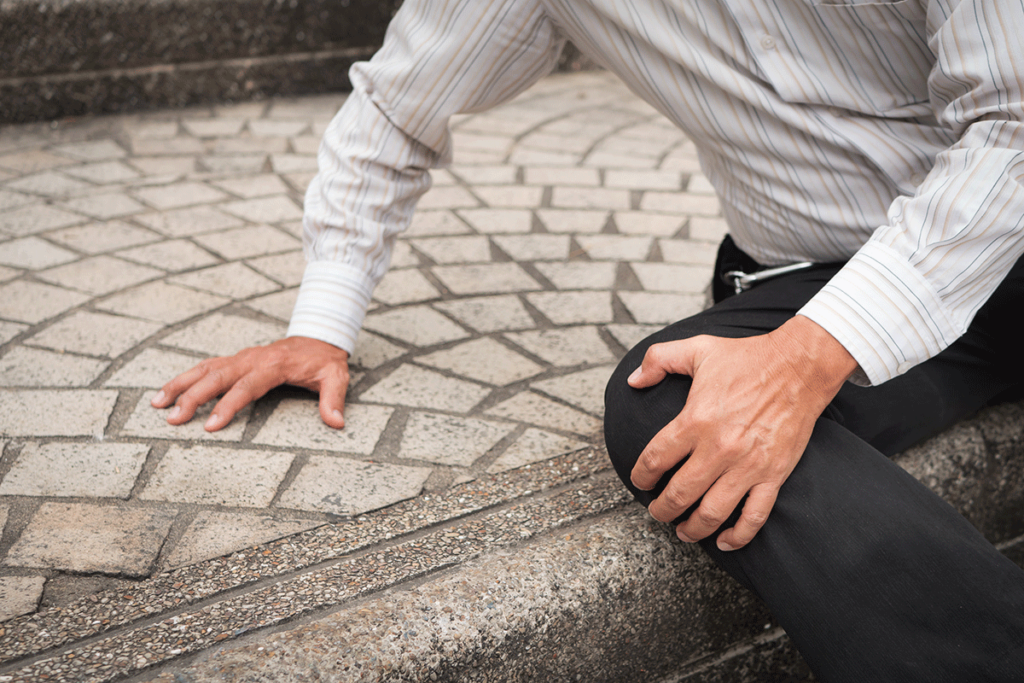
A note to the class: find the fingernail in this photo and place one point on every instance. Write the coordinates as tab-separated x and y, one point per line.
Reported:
725	547
212	421
337	415
159	398
683	537
175	412
636	375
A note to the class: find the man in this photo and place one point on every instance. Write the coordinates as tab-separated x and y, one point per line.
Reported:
877	148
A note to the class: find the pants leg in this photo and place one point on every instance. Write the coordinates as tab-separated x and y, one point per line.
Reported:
873	576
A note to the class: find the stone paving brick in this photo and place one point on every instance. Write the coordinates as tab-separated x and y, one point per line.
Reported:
584	389
9	331
296	423
151	368
96	150
273	129
272	209
162	302
402	255
99	275
249	146
589	198
217	476
616	247
482	175
230	279
416	325
249	242
175	146
699	184
484	360
225	335
172	255
533	446
28	367
644	180
33	253
453	197
629	335
489	313
31	413
152	130
168	165
605	159
404	287
49	184
585	221
213	534
306	144
564	347
104	206
482	142
278	305
9	200
293	163
87	470
151	423
708	229
19	595
447	250
426	223
536	409
372	351
213	128
348	487
94	334
285	268
577	144
448	440
104	173
510	196
573	308
536	157
31	302
534	246
485	279
566	177
493	221
672	277
178	195
421	388
688	251
579	274
661	308
253	186
33	160
305	108
299	181
680	203
86	538
34	218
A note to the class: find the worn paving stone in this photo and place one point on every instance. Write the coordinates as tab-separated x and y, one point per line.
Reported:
9	331
573	308
510	196
616	247
422	388
498	221
536	409
171	255
271	128
173	146
151	423
213	128
688	251
416	325
194	220
645	223
492	278
277	305
82	537
425	223
209	475
349	487
104	206
213	534
248	242
484	360
296	423
590	198
404	287
672	277
19	595
534	446
51	185
225	335
534	247
284	268
583	389
449	440
151	368
566	177
489	313
447	250
10	200
631	335
104	173
708	229
372	351
230	279
33	253
30	412
172	166
579	274
98	275
253	186
564	347
643	180
680	203
88	470
96	150
96	238
35	218
31	161
27	367
661	308
292	163
480	175
265	209
238	163
579	221
161	302
32	302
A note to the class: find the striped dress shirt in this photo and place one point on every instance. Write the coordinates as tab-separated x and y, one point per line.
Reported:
885	134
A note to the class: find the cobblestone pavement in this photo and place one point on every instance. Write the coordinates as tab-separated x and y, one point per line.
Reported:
574	221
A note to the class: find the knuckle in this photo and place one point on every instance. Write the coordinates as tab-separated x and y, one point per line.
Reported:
676	498
709	517
756	518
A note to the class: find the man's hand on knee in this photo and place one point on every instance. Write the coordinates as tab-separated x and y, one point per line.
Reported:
748	417
249	374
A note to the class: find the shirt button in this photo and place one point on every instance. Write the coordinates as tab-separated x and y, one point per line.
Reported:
917	179
768	43
903	367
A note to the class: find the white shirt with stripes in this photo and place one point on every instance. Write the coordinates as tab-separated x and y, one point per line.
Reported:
889	134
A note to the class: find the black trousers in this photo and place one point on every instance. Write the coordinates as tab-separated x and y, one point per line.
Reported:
873	576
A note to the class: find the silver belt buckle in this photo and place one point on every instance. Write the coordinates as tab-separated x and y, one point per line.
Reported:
741	281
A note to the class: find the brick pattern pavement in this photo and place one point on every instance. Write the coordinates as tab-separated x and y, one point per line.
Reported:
573	222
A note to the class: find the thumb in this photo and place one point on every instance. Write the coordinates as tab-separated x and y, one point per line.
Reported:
332	399
677	357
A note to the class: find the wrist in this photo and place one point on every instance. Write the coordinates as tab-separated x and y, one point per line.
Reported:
824	363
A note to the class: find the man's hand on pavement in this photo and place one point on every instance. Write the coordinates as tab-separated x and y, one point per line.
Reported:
748	417
249	374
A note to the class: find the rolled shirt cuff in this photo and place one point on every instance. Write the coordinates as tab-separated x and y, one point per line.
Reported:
331	305
884	313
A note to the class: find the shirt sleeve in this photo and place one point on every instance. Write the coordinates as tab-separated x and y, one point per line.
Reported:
439	58
917	284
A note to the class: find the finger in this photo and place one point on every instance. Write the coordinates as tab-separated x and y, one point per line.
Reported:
755	513
332	398
219	378
678	357
170	391
663	452
244	391
715	508
685	488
